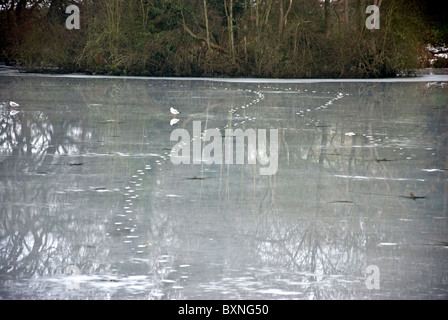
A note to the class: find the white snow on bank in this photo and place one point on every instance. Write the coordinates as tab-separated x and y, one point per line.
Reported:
436	50
423	78
442	55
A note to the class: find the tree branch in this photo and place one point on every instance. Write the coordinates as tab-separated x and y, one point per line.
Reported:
195	36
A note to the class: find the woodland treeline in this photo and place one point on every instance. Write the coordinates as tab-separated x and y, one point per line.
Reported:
257	38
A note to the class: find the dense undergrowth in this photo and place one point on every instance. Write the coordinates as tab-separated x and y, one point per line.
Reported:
257	38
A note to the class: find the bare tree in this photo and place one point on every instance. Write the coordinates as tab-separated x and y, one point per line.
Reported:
283	17
229	14
207	31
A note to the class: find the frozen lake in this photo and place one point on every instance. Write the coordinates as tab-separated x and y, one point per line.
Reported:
92	207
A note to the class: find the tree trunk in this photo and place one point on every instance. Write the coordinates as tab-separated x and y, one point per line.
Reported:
346	13
229	15
326	11
283	17
280	20
207	31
